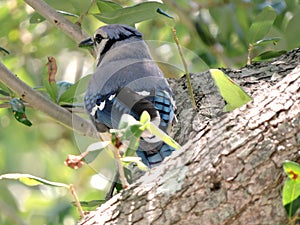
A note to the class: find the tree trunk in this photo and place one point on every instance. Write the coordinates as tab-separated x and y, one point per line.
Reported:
229	170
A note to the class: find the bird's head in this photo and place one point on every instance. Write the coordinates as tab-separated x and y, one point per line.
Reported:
106	36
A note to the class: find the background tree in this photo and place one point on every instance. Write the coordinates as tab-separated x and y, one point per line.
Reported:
217	32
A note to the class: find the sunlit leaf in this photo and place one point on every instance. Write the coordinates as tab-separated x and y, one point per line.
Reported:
31	180
136	160
107	6
131	15
232	93
162	135
262	24
170	71
291	196
18	109
291	188
145	118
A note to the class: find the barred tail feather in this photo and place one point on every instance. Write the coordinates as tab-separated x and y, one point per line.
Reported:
154	159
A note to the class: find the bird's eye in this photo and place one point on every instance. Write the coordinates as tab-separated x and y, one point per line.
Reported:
98	38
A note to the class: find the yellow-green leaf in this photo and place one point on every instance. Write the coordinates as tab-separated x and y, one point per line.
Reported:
262	24
163	136
232	93
137	160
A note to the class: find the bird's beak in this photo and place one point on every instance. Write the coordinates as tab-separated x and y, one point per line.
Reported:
87	43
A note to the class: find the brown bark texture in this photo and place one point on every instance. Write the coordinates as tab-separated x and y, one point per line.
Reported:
229	170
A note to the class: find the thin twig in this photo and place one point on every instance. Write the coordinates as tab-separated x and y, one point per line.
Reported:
77	202
116	145
189	84
249	56
120	168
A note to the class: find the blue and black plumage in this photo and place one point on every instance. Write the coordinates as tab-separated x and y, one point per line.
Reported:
127	80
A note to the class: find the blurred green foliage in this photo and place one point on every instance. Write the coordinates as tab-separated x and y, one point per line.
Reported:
217	32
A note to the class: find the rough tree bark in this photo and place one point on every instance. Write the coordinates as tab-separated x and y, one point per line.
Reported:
229	170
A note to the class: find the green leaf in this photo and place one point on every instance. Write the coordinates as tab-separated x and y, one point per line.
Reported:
136	160
4	93
170	71
292	207
88	204
130	130
268	55
31	180
274	40
261	24
291	196
36	18
291	188
162	12
292	169
95	149
131	15
107	6
232	93
4	51
67	13
162	135
127	121
292	32
75	90
98	146
5	90
18	109
145	118
51	88
62	87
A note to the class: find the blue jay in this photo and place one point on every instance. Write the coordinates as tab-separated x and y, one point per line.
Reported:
128	81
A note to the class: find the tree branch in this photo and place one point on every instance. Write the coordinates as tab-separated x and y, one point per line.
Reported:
230	169
72	30
39	102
